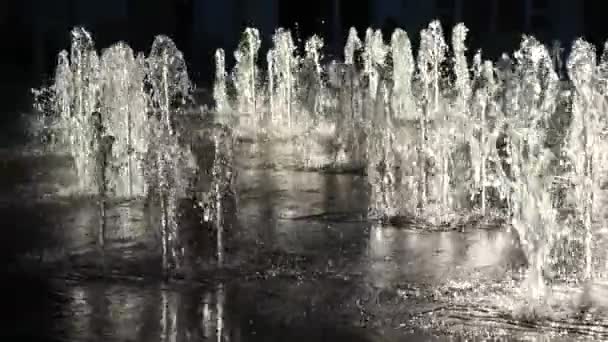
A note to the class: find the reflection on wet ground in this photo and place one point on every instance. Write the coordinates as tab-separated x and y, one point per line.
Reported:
302	263
276	310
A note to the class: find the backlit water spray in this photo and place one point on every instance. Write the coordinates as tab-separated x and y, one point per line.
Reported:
445	141
117	116
442	142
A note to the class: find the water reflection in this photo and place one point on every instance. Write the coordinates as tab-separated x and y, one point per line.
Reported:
224	312
491	248
398	256
28	177
220	313
297	211
301	216
75	223
119	313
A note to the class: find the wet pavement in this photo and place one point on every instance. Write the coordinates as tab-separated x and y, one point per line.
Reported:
301	263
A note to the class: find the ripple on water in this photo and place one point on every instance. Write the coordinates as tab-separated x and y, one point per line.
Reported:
503	308
302	227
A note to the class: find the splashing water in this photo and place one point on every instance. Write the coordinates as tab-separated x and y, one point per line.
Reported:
508	140
220	95
117	117
172	166
76	91
440	140
124	103
281	76
245	76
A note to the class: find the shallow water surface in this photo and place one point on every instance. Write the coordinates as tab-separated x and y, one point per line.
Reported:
301	263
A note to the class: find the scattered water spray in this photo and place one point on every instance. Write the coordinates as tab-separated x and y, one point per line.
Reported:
116	115
583	146
219	88
427	142
245	73
172	165
123	104
404	106
282	78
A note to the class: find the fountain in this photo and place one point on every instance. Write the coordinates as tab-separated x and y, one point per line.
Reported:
584	145
443	143
442	146
170	166
124	103
116	115
245	76
219	89
281	80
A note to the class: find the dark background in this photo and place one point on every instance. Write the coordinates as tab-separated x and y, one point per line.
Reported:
34	31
